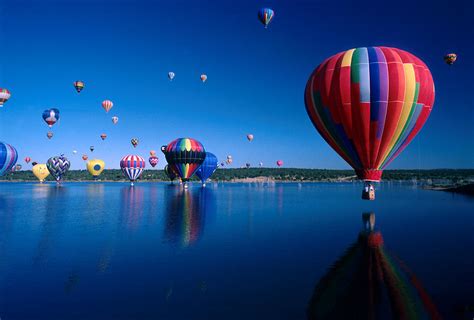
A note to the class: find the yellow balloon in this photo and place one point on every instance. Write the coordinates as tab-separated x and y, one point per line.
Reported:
95	167
40	171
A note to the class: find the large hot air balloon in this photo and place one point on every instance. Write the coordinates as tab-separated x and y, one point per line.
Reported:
27	159
107	105
368	104
450	58
51	116
265	15
115	119
92	148
170	173
207	168
49	134
153	160
279	163
40	171
58	166
184	156
203	77
134	142
171	75
95	167
79	85
4	96
250	137
103	136
132	166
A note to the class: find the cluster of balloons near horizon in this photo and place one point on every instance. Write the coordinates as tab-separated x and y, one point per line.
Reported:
369	104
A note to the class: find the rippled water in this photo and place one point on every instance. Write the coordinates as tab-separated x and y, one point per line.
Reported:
228	251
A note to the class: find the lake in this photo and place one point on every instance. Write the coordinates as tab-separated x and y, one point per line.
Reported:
227	251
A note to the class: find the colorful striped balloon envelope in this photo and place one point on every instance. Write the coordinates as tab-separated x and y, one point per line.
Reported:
184	156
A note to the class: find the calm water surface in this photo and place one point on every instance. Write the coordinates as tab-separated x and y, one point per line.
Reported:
228	251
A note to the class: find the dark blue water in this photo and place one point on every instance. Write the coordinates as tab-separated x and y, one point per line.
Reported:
229	251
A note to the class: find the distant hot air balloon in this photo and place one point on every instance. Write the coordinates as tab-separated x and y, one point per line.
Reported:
132	166
203	77
92	148
265	15
95	167
115	119
247	165
103	136
171	75
58	166
450	58
250	137
79	85
229	160
184	156
134	142
49	135
169	173
153	160
107	105
222	164
279	163
152	153
51	116
368	104
18	167
207	168
4	96
260	164
74	151
229	157
40	171
85	157
34	163
27	159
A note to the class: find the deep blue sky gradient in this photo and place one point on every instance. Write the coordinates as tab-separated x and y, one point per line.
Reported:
123	51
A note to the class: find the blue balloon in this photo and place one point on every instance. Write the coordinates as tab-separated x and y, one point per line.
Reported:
51	116
207	168
8	157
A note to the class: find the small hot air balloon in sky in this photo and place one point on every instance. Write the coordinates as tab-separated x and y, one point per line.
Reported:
4	96
260	164
153	160
279	163
247	165
368	104
203	77
92	148
51	116
229	161
265	15
79	85
74	151
40	171
207	168
171	75
250	137
85	157
229	157
170	173
95	167
134	142
18	167
107	105
132	166
115	119
27	159
222	164
103	136
450	58
58	166
49	134
34	163
152	153
185	156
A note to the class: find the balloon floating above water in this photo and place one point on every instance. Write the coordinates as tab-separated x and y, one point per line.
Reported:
51	116
265	15
40	171
153	160
171	76
95	167
107	105
207	168
4	96
134	142
79	85
368	104
115	119
170	173
58	166
450	58
184	156
49	135
132	166
203	77
8	157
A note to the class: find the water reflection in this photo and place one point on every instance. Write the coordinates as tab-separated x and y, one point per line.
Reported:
131	206
186	212
368	282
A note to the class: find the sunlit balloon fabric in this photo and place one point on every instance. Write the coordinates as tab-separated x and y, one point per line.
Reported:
184	156
107	105
79	85
265	15
368	104
132	166
450	58
208	167
4	96
95	167
40	171
51	116
8	157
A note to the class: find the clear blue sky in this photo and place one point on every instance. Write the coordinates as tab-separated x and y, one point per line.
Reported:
123	51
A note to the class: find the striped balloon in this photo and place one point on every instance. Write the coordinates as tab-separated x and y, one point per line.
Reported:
4	96
184	156
153	160
8	158
132	166
265	15
107	105
58	166
368	104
